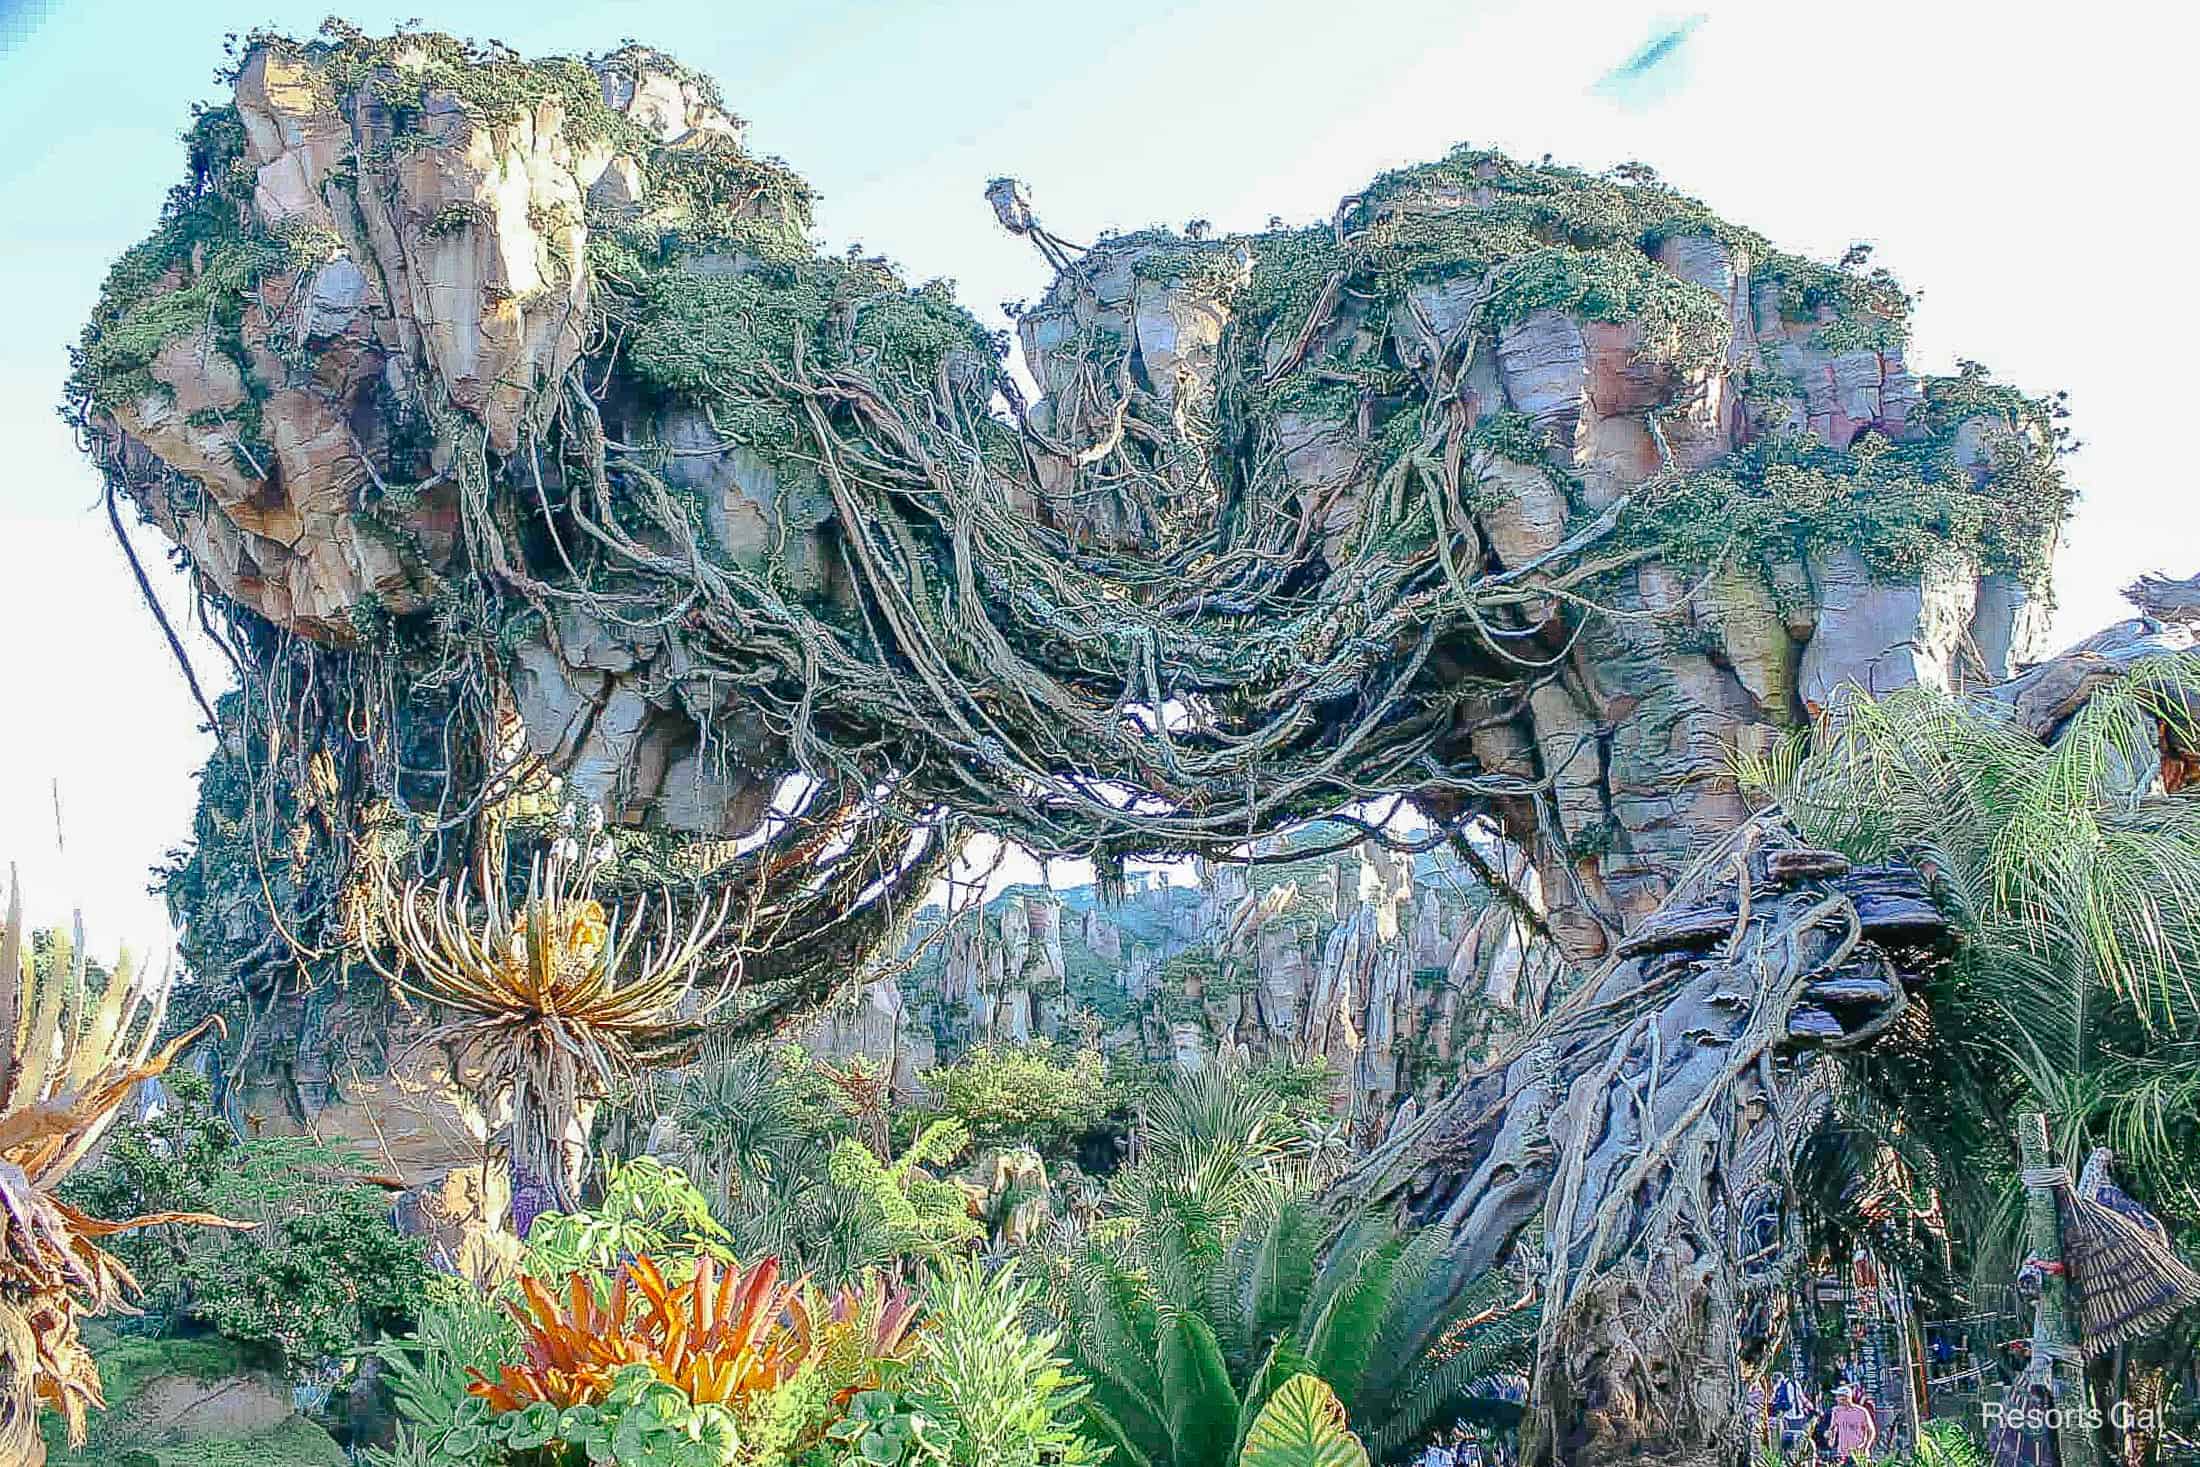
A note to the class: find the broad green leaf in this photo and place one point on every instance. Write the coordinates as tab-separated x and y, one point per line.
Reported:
1302	1426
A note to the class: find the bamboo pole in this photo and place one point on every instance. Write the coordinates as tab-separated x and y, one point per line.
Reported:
2055	1317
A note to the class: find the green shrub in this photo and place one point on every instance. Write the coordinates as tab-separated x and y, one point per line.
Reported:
914	1213
458	1330
996	1393
320	1270
648	1208
1034	1095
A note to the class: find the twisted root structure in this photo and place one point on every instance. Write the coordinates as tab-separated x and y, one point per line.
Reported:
524	453
1648	1121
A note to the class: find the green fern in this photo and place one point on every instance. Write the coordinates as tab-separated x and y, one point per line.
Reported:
1948	1444
1273	1263
1344	1335
923	1216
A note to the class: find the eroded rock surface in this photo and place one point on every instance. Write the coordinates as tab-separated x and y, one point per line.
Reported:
1394	972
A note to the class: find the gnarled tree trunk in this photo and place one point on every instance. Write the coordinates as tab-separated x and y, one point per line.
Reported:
1642	1120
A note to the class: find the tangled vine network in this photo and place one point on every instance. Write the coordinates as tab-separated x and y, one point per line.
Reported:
465	382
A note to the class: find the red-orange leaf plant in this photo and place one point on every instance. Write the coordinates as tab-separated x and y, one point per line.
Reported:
723	1337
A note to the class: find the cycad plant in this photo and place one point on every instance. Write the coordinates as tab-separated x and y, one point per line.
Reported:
69	1058
1215	1278
2073	868
554	1007
1302	1425
1186	1342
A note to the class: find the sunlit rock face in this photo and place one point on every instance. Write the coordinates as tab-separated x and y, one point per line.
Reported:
1632	730
1394	973
436	293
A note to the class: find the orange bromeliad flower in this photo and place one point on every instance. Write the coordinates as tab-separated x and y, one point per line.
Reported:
570	1352
725	1335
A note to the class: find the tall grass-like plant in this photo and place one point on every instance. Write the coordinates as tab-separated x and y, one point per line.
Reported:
994	1393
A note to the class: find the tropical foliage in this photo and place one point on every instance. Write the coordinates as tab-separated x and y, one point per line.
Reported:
1214	1278
2075	875
993	1390
554	1006
1036	1095
1205	1299
1186	1336
1302	1426
793	1165
69	1057
723	1337
918	1216
318	1271
648	1209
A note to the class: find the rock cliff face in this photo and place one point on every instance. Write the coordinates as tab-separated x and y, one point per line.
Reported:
340	377
418	260
1395	972
1734	373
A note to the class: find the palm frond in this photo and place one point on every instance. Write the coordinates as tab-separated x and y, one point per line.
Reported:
2073	872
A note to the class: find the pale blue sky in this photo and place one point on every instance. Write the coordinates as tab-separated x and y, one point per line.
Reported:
2025	169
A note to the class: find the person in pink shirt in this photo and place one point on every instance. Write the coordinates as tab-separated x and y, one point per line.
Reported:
1854	1430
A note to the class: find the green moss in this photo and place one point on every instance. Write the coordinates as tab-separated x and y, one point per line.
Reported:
1679	321
1289	268
724	339
1511	435
1621	219
452	218
192	272
1973	393
706	193
293	1443
718	197
1899	506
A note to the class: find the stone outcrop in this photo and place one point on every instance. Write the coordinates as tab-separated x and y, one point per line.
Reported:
186	1402
1395	972
1634	734
437	292
437	268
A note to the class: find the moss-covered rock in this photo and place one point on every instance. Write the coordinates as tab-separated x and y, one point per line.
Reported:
191	1403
